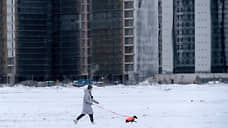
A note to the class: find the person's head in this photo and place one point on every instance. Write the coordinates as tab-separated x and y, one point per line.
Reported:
90	87
135	117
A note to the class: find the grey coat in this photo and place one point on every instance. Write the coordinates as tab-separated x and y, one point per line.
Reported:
88	102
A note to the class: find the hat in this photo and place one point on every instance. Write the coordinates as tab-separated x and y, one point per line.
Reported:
90	86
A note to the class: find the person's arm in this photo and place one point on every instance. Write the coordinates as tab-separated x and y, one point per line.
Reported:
94	101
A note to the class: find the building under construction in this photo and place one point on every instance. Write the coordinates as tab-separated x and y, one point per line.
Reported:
3	51
66	48
106	37
34	40
124	46
70	39
84	39
48	39
7	41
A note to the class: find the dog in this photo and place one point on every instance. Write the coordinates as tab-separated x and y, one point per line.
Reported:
131	119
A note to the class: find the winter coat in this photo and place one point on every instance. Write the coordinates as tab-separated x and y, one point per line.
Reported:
87	102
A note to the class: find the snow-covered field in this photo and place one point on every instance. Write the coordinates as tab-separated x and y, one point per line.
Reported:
166	106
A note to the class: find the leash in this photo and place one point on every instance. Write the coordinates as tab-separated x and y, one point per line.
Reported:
115	113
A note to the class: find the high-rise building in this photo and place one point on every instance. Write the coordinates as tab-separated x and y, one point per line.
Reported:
146	38
129	45
34	40
194	36
48	39
105	36
225	32
85	43
202	36
67	32
3	37
7	41
184	36
167	54
11	43
219	22
124	46
124	40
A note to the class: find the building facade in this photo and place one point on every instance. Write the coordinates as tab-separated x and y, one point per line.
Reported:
34	40
195	38
67	51
146	38
114	40
105	36
7	40
11	43
3	37
129	34
167	57
219	21
160	34
48	40
184	36
124	47
203	36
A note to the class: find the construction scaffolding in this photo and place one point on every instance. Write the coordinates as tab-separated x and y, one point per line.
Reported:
85	53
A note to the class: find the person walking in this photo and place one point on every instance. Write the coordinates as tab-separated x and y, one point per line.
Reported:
87	105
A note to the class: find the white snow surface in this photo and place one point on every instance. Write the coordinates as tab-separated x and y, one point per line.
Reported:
160	106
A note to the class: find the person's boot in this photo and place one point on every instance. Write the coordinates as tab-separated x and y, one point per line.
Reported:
75	121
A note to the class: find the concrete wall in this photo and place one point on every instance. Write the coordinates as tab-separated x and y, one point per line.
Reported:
146	44
190	78
167	40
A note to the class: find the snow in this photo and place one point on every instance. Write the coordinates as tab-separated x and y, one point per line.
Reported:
160	106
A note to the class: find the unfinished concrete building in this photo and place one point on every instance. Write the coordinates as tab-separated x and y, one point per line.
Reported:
85	45
105	35
7	41
65	43
34	40
3	37
146	42
48	40
219	22
124	47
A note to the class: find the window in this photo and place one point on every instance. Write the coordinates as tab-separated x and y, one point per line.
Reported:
82	43
129	67
83	52
129	14
83	17
83	34
129	23
129	40
129	49
128	4
128	31
83	8
129	59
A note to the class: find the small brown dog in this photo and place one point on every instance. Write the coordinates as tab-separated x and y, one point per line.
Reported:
131	119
